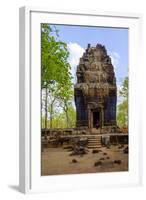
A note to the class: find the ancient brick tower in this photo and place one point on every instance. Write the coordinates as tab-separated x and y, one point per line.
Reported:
95	90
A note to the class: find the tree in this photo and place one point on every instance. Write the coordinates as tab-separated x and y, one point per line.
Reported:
72	116
59	118
66	97
55	69
122	112
54	54
122	117
53	96
124	90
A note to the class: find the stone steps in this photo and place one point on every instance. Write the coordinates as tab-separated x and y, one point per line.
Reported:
94	142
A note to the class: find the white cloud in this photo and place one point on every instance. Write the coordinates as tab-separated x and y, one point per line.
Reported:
76	52
115	57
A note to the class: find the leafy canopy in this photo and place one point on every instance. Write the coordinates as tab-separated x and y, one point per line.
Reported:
55	73
54	54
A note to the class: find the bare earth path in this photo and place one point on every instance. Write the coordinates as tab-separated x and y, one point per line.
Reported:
58	161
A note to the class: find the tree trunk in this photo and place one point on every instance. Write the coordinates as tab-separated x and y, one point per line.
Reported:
51	113
42	123
67	117
46	112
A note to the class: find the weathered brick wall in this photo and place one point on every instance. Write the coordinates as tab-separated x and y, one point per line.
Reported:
96	84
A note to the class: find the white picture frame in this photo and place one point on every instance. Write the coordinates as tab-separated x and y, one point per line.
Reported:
30	142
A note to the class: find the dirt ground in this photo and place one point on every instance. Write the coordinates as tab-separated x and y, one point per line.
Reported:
57	161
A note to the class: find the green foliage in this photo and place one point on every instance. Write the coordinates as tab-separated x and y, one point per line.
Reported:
122	111
65	98
59	119
122	116
124	90
55	77
54	54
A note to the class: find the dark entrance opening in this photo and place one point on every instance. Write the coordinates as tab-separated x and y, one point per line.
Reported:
96	119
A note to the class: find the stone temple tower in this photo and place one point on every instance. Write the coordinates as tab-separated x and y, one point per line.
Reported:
95	90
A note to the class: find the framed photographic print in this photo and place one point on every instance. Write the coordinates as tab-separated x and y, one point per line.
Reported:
79	94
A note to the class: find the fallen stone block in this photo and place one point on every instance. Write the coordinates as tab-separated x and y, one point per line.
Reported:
95	151
79	150
68	147
126	150
121	146
117	162
101	159
74	161
98	163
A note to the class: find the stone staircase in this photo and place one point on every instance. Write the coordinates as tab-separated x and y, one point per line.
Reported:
94	142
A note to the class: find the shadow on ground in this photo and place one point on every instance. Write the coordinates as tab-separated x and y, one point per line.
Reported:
14	187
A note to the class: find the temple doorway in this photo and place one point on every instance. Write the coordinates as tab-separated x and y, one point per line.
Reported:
96	119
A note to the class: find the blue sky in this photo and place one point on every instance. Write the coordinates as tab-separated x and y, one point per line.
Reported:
114	39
